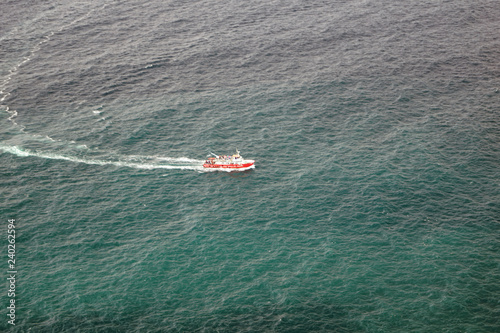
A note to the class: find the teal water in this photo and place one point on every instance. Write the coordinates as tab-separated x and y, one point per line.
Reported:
374	205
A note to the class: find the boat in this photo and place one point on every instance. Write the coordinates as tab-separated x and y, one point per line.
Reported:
229	162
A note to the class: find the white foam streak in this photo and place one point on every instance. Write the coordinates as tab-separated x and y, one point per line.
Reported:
148	166
175	159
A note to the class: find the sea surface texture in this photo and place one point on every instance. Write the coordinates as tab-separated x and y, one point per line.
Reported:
374	205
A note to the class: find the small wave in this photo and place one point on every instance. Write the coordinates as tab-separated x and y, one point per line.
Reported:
5	82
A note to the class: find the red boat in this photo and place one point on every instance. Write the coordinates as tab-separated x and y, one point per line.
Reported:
235	162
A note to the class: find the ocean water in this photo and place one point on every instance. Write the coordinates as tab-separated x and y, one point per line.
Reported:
374	205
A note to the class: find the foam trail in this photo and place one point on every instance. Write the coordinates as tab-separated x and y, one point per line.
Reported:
165	159
195	164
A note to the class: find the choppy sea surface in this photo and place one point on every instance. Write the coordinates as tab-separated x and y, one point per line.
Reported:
374	205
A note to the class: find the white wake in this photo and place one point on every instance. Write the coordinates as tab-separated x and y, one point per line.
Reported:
133	161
